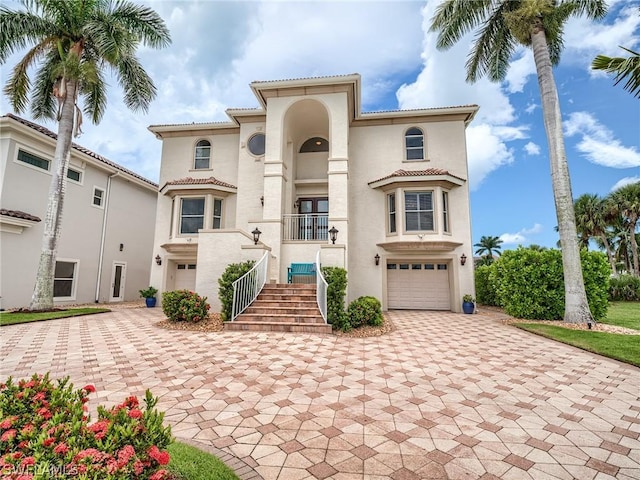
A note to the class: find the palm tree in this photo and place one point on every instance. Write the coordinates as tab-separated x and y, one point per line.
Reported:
71	43
592	222
503	25
487	246
626	201
624	68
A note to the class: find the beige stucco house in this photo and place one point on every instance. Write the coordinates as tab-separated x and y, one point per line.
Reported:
394	184
104	251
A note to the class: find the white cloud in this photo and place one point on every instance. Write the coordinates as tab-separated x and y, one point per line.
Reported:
624	181
521	236
520	69
598	144
532	148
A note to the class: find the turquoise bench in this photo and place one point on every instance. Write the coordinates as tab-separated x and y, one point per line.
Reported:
304	270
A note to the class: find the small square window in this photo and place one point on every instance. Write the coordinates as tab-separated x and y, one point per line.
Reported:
429	266
34	160
98	197
416	266
404	266
64	280
74	175
392	266
191	266
182	266
442	266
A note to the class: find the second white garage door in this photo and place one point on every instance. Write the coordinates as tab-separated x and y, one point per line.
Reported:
418	286
185	276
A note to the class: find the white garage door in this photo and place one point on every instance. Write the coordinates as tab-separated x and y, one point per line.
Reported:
185	276
418	286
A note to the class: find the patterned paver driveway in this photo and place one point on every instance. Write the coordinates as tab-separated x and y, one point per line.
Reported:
444	396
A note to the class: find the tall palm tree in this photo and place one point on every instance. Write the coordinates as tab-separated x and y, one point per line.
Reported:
624	68
592	222
626	201
71	44
487	246
503	25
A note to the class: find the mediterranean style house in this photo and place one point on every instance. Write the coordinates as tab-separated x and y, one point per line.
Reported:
105	246
390	187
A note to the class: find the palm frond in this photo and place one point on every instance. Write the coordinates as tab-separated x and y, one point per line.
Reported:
18	84
94	92
592	9
138	87
43	103
623	68
144	22
455	18
19	29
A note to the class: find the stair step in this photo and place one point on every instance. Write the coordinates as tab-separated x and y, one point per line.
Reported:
238	326
281	310
280	318
285	297
284	303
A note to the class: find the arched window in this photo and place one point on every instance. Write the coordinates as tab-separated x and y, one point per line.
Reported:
414	144
203	155
315	144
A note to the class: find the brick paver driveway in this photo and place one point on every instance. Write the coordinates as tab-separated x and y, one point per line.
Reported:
444	396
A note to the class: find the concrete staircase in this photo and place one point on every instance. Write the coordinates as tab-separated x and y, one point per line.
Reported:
287	307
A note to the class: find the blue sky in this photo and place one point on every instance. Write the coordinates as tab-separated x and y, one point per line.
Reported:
220	47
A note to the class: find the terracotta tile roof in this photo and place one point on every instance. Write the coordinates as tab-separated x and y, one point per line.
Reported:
322	77
470	105
415	173
19	214
200	181
79	148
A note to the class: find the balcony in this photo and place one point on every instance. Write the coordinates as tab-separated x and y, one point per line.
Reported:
305	227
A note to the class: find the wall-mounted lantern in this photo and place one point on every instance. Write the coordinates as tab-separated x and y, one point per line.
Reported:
377	259
463	259
333	234
256	235
158	260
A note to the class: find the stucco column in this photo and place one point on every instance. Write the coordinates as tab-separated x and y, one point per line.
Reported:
338	174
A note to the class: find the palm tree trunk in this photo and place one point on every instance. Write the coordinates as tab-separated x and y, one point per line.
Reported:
576	309
42	298
607	247
634	246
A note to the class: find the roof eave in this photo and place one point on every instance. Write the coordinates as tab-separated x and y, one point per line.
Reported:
417	178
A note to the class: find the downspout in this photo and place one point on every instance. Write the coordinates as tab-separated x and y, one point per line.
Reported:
103	234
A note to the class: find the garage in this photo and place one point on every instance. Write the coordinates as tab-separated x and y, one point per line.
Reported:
185	276
418	286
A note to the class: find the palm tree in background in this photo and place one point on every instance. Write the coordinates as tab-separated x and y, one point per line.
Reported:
624	68
487	246
625	201
71	45
502	26
592	221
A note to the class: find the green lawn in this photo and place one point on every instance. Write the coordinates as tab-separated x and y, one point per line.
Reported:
625	348
10	318
189	463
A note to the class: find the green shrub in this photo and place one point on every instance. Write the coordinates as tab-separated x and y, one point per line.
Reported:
624	288
184	306
233	272
148	292
364	311
336	278
529	283
45	433
485	288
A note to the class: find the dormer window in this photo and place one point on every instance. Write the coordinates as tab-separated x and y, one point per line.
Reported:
414	144
203	155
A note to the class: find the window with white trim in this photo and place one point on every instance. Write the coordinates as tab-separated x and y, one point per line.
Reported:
34	160
98	197
191	215
217	213
74	175
391	199
64	280
445	212
418	211
202	155
414	144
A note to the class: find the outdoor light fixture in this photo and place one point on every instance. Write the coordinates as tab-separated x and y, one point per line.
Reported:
377	259
158	260
334	234
256	235
296	204
463	259
121	246
262	200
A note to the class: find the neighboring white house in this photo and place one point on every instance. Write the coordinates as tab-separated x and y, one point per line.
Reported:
394	184
105	246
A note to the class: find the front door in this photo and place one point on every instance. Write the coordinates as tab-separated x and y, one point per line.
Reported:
315	223
118	276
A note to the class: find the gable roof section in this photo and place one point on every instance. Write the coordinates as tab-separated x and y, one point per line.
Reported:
79	148
19	214
191	183
430	175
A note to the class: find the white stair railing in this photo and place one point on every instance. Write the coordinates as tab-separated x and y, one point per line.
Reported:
247	287
321	289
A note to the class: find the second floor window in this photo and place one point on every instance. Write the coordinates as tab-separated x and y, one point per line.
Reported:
418	209
414	144
202	155
191	215
392	212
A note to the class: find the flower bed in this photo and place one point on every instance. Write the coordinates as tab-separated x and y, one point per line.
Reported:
45	433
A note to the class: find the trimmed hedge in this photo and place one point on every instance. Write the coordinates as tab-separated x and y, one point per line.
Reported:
233	272
529	283
624	288
184	306
485	288
336	278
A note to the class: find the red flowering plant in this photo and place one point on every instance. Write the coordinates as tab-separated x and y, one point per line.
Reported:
185	306
46	434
